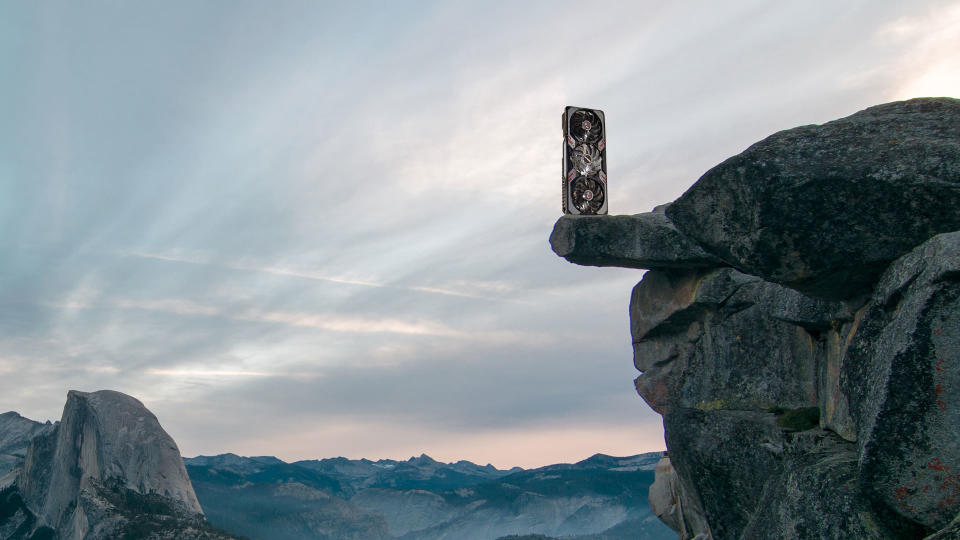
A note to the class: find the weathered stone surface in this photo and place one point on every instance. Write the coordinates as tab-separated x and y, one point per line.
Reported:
950	532
902	376
825	208
718	350
672	503
664	496
811	387
832	399
16	520
758	480
15	435
817	495
639	241
105	466
793	307
705	341
726	457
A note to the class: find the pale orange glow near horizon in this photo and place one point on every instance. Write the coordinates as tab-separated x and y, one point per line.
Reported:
503	449
931	68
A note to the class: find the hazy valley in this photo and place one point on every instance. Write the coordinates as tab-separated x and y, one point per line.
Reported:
108	469
602	497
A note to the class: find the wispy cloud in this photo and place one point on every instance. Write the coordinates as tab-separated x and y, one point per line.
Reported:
300	319
333	323
167	305
360	325
214	373
469	292
206	260
929	40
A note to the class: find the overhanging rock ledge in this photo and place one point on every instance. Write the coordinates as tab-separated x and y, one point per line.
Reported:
799	329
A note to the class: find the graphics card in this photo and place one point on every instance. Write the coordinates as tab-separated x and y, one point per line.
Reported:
584	161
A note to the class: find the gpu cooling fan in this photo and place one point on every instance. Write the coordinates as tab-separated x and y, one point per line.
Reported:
584	161
586	125
587	195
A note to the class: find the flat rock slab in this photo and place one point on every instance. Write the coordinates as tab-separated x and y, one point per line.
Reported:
825	208
639	241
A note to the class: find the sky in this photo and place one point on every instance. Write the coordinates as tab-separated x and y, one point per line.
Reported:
318	229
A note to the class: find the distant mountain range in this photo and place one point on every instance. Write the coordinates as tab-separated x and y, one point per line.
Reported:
107	470
600	498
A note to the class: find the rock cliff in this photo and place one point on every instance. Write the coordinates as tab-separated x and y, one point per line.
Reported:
106	470
799	330
16	432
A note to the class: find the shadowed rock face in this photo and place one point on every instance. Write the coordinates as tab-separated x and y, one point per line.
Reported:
16	432
809	382
902	376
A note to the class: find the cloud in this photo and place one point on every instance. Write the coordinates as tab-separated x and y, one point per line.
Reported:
240	310
328	322
489	393
466	288
929	65
215	373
